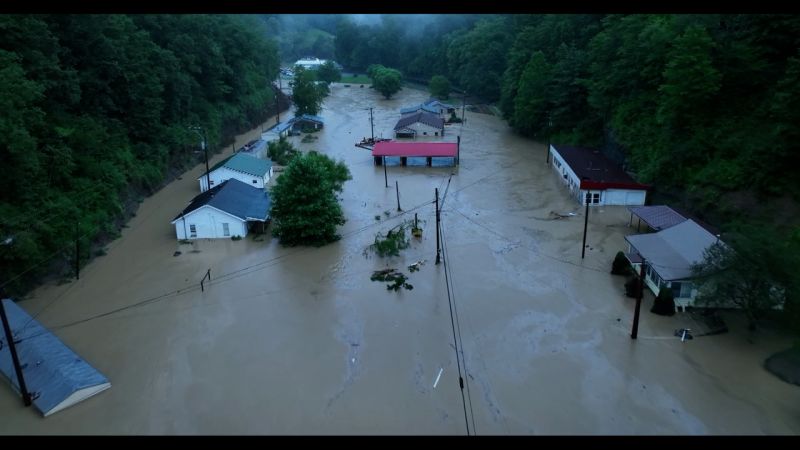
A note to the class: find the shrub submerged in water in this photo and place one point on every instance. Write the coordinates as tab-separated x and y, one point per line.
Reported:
621	265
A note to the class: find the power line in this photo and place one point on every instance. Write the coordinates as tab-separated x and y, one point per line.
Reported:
219	279
449	282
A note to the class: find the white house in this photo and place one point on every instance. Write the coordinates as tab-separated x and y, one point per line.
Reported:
668	257
229	209
310	63
590	175
242	166
421	124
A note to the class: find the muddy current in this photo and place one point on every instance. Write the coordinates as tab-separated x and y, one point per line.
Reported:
300	341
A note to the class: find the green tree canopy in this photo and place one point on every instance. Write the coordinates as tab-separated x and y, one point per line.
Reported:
385	80
328	72
305	210
306	94
439	87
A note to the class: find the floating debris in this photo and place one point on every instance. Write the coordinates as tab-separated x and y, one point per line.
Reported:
392	276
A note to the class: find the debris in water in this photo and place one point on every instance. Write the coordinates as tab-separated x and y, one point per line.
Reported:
177	253
397	279
415	267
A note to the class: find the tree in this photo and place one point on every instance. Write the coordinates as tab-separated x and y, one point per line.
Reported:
328	72
305	210
281	151
664	304
439	87
387	81
750	274
306	94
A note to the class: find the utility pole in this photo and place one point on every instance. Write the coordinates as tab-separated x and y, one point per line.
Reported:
77	251
585	223
385	177
635	329
436	191
397	189
463	107
549	132
205	150
26	396
277	100
372	126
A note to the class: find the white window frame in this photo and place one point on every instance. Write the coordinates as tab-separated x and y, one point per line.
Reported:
226	229
192	230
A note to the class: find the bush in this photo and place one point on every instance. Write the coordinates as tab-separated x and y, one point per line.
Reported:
621	265
665	303
236	237
632	287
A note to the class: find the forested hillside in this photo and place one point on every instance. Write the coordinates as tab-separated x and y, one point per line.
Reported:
96	112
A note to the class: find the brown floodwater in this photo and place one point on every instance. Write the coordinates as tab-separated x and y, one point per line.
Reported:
300	341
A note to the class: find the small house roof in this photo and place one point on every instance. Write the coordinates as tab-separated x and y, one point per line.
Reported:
233	197
673	251
56	376
419	107
245	163
421	117
310	117
437	102
657	217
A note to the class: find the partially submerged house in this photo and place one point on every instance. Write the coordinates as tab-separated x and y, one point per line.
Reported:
280	130
421	124
432	106
669	255
591	176
242	166
256	148
443	109
447	153
55	376
307	121
230	209
417	108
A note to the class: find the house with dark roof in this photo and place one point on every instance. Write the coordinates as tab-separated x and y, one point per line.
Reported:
593	178
669	255
417	108
242	166
419	125
441	107
307	121
230	209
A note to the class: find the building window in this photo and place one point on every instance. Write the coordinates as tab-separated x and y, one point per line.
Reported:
436	133
192	230
681	289
211	183
226	230
255	181
593	198
424	133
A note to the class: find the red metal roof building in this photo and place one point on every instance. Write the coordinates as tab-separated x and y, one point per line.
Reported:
415	149
587	172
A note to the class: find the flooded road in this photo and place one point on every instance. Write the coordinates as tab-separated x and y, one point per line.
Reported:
300	341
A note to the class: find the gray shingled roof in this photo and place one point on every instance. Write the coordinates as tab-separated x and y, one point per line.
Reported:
421	117
673	251
235	198
658	217
56	377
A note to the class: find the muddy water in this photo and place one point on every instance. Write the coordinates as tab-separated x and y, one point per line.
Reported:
300	341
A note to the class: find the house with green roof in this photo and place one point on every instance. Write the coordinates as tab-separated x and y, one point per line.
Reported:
244	167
